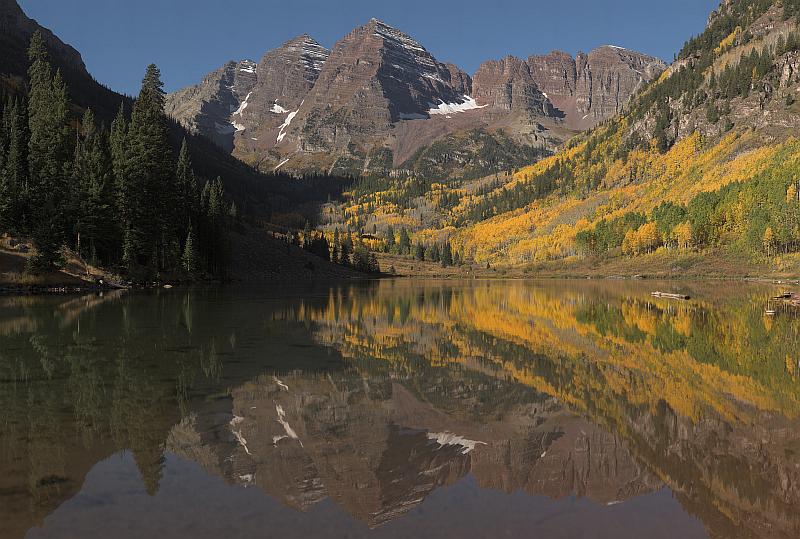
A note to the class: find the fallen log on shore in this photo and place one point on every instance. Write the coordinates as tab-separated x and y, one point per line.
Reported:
667	295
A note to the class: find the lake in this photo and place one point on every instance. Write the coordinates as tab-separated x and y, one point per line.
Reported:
402	409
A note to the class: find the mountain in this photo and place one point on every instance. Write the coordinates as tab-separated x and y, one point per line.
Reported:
592	88
695	175
380	102
16	30
239	101
256	197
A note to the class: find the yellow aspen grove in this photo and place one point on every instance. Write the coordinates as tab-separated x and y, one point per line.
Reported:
791	193
769	241
683	236
630	245
649	238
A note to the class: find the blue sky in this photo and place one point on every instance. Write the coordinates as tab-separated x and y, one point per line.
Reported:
189	38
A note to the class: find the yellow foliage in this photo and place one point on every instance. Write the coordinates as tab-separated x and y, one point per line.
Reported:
683	235
546	229
728	41
644	240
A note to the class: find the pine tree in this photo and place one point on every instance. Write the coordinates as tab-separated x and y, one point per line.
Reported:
216	218
95	192
118	146
404	244
150	191
49	157
390	243
14	173
434	255
374	266
307	235
336	247
420	253
345	250
447	255
190	259
188	200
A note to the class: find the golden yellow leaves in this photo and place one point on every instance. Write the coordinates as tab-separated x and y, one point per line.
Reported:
729	41
644	240
683	236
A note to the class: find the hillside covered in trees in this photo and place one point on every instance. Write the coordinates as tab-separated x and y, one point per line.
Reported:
114	195
118	193
703	164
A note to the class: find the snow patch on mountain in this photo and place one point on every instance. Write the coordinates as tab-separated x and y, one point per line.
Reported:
285	424
449	439
243	105
312	54
287	122
246	66
277	109
452	108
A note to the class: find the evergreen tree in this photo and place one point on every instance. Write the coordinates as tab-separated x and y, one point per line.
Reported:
93	177
150	190
434	255
374	267
188	207
390	243
14	172
217	228
404	244
118	146
420	253
307	235
447	255
190	259
345	250
336	248
49	157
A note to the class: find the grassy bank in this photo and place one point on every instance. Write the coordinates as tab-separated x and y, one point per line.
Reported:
711	264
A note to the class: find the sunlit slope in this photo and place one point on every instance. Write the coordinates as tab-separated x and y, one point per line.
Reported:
546	229
704	161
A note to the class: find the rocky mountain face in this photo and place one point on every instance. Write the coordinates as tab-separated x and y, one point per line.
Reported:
508	85
379	98
209	107
245	96
588	89
375	78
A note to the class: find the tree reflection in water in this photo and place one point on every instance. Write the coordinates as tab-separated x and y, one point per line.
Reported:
376	395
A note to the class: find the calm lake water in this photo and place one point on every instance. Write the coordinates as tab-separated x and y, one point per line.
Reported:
401	409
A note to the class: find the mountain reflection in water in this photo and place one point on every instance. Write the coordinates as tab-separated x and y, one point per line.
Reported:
398	408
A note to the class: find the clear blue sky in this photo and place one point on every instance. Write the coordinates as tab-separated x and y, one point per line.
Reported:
189	38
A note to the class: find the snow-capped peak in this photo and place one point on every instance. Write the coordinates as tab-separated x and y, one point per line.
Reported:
311	53
248	66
